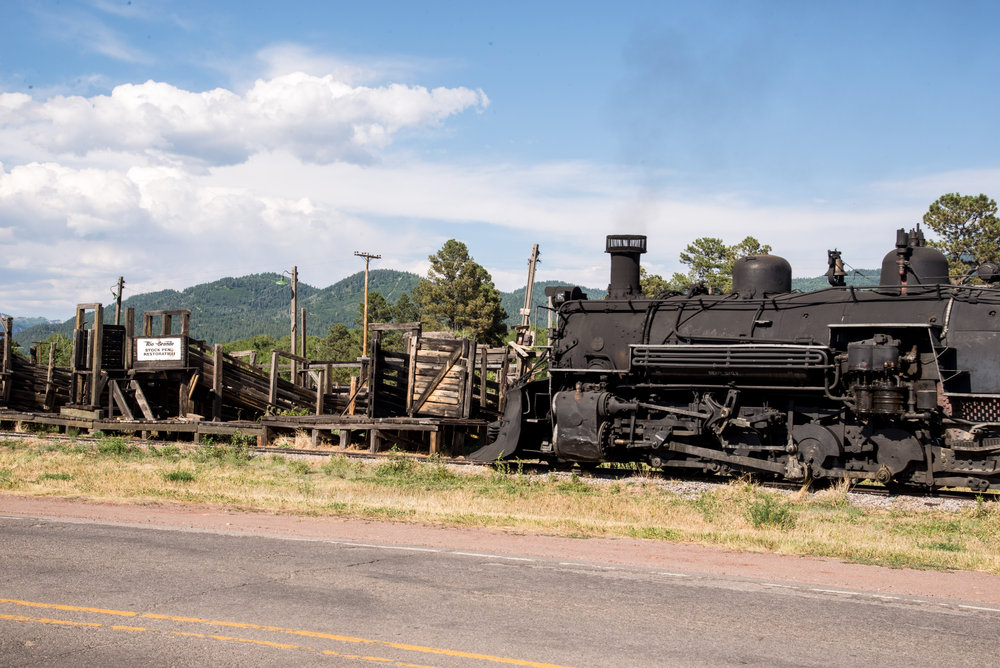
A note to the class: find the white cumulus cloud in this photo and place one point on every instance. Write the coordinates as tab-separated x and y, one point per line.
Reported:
319	119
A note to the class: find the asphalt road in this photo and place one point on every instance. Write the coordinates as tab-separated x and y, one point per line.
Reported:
81	593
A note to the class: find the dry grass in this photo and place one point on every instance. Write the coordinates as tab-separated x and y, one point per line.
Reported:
740	516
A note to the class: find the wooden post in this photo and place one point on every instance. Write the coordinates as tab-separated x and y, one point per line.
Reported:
345	438
118	300
303	336
217	371
272	395
354	388
50	389
95	365
484	352
75	391
374	368
502	382
129	335
470	368
411	376
320	385
8	363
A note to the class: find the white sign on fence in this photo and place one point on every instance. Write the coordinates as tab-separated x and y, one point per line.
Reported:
158	350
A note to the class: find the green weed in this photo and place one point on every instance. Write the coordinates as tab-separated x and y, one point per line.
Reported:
339	466
573	486
396	467
235	455
116	446
169	450
767	510
943	545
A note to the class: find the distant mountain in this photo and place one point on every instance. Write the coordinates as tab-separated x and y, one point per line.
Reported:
236	308
513	302
856	277
21	324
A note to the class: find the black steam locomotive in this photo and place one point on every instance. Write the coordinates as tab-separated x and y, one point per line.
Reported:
898	383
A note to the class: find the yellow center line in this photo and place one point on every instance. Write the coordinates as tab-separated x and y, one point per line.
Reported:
44	620
73	608
297	632
251	641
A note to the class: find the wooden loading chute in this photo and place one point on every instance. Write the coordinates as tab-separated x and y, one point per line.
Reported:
437	375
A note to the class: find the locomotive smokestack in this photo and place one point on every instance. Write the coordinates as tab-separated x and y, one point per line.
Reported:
625	250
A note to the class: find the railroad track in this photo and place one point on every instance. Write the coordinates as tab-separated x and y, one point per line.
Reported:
600	472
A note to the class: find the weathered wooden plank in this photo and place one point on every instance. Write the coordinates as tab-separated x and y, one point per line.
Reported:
140	397
434	383
119	399
394	326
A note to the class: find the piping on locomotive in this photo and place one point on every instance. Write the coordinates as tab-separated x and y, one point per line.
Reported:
898	383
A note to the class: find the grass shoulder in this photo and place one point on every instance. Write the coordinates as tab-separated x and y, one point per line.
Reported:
738	516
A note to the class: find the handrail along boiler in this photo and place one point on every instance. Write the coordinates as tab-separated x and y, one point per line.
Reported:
898	383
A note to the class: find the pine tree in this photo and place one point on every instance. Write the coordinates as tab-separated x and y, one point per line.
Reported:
459	294
967	228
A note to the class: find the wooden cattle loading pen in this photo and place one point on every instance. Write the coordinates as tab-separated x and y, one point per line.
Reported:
435	395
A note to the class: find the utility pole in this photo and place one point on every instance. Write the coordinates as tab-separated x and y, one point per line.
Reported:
118	300
364	335
294	316
525	328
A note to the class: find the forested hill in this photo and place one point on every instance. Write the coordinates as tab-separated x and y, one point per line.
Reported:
856	277
21	324
236	308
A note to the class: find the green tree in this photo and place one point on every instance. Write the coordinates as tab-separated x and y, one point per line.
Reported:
459	294
710	261
404	310
262	344
64	349
651	284
340	345
379	310
966	226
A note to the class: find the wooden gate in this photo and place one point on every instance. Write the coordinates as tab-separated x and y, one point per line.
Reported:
441	373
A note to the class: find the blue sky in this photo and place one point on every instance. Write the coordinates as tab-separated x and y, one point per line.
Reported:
179	142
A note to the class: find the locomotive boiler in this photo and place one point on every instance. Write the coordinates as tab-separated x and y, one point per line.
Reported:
898	383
